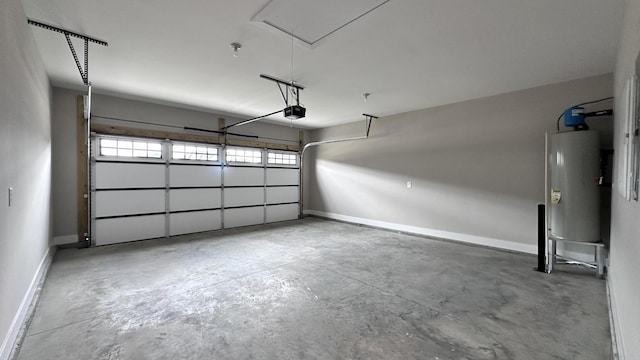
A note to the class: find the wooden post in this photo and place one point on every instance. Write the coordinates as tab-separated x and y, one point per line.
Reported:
221	138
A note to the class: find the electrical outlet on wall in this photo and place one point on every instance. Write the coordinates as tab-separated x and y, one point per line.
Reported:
409	184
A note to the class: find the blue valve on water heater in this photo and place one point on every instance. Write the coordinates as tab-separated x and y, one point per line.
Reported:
574	117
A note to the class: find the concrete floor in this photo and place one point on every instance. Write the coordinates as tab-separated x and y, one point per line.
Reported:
313	289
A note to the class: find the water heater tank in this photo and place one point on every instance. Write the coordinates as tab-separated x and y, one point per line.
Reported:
574	170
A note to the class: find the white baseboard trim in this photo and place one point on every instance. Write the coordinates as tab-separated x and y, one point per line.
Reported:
616	336
65	239
10	338
472	239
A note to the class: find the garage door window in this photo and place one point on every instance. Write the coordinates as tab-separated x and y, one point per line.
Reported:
243	155
280	158
130	148
194	152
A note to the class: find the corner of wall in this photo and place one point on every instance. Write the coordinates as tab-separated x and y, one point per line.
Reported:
622	282
25	226
64	239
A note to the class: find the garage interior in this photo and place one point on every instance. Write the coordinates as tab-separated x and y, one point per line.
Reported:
314	180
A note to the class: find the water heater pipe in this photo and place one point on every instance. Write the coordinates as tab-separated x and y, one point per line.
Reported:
595	113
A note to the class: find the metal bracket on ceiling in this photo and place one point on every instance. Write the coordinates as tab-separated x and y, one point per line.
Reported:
84	72
369	119
290	87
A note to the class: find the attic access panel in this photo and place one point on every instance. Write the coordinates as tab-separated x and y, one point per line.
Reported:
310	20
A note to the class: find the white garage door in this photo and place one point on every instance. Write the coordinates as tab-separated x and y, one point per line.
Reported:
144	189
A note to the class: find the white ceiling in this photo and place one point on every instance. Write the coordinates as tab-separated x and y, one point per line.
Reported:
409	54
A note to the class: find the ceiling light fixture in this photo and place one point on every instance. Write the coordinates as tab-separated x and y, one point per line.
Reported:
235	46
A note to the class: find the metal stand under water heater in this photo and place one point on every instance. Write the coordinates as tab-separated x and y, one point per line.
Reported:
573	194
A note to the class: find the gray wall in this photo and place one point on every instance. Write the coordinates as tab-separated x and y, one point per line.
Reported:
477	167
25	165
64	150
623	280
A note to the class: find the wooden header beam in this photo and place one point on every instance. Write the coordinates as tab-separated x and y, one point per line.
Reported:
208	139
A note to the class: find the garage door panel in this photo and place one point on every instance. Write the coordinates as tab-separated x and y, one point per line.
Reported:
282	176
117	230
129	202
282	212
243	217
243	196
132	201
197	221
276	195
194	175
194	199
129	175
243	176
